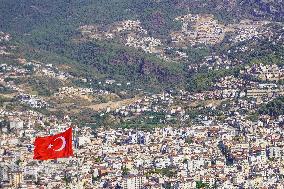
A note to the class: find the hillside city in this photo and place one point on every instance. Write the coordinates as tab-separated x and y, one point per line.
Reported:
224	131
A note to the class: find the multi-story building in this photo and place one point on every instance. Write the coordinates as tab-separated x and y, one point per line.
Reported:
133	182
4	176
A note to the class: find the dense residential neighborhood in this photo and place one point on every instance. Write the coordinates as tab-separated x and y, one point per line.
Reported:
222	145
154	94
210	152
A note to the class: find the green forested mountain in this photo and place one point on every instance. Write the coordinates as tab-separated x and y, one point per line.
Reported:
45	30
25	16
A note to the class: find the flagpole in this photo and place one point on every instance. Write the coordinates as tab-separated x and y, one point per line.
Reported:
76	149
36	176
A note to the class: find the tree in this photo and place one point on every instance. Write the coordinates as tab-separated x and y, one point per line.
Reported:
273	108
185	161
200	184
117	186
125	171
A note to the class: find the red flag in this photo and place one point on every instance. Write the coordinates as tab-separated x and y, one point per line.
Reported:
53	147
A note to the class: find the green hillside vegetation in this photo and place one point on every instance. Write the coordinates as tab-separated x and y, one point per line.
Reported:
52	25
273	108
45	30
110	60
157	16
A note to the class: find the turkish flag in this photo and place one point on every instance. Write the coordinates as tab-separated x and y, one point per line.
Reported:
53	147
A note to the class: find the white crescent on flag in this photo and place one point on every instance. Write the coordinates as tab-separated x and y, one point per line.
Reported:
62	146
63	143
